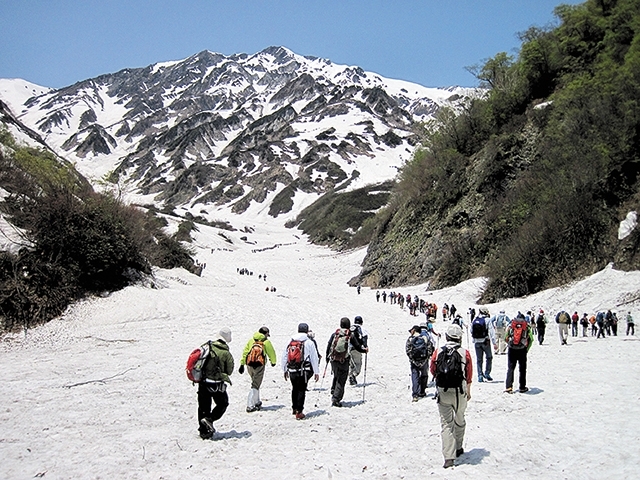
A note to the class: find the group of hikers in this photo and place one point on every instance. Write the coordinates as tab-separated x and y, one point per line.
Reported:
416	305
449	365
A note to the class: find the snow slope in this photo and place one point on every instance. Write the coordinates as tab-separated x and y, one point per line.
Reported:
101	392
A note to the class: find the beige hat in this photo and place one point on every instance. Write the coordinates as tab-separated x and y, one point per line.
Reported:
454	332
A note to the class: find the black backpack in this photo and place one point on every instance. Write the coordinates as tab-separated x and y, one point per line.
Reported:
479	328
449	368
420	349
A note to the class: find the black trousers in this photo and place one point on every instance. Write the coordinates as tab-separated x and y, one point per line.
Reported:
541	335
519	356
299	381
340	374
205	398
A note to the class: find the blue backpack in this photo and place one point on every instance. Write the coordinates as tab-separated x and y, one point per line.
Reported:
479	328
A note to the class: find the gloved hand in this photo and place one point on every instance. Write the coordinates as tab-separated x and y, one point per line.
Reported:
241	369
273	364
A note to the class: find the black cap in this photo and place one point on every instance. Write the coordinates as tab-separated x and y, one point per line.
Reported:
416	328
303	328
358	320
264	331
345	322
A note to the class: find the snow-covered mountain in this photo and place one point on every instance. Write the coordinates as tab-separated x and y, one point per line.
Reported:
213	133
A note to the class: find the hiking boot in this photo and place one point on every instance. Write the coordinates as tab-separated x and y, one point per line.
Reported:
523	390
480	378
209	430
258	405
353	381
508	390
448	463
336	403
206	435
415	399
459	452
300	416
252	409
488	377
295	412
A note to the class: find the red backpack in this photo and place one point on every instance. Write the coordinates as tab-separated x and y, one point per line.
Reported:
518	338
195	362
295	355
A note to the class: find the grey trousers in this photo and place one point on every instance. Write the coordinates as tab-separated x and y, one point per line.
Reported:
355	364
452	405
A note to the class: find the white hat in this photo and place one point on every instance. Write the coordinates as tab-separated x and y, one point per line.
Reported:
225	334
454	332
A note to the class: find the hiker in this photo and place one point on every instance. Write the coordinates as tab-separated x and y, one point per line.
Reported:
574	324
254	356
452	311
594	325
630	325
355	362
483	338
384	296
600	323
213	387
584	323
500	323
418	348
378	296
299	363
452	368
339	347
614	324
541	326
608	320
519	337
563	319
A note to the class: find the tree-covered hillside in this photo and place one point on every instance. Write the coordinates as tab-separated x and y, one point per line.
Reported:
68	240
529	183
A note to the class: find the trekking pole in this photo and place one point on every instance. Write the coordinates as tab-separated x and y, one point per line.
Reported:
323	375
365	376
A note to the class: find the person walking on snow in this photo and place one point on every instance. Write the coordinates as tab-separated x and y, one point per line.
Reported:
299	363
500	323
574	324
519	337
355	362
418	348
254	356
213	387
541	326
630	325
563	319
483	337
339	348
453	387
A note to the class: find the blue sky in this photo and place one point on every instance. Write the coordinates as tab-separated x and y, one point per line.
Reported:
55	43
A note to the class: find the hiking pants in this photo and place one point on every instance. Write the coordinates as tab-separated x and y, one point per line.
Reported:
541	335
205	397
257	375
519	356
563	332
574	329
340	374
584	330
299	382
483	349
452	405
614	329
600	330
630	327
594	330
502	345
355	363
419	379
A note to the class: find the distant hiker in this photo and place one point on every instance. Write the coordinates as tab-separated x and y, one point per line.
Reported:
584	323
614	324
594	325
519	337
378	296
600	322
355	362
445	312
483	338
254	356
452	311
630	324
541	326
563	319
472	315
452	368
358	289
339	348
299	363
384	297
608	320
418	348
574	324
213	387
500	323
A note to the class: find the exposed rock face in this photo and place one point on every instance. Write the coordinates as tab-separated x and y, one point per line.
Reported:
233	130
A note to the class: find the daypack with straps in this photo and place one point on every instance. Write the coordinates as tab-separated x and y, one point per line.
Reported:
340	345
518	337
197	360
295	355
500	321
255	357
479	328
449	368
420	349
